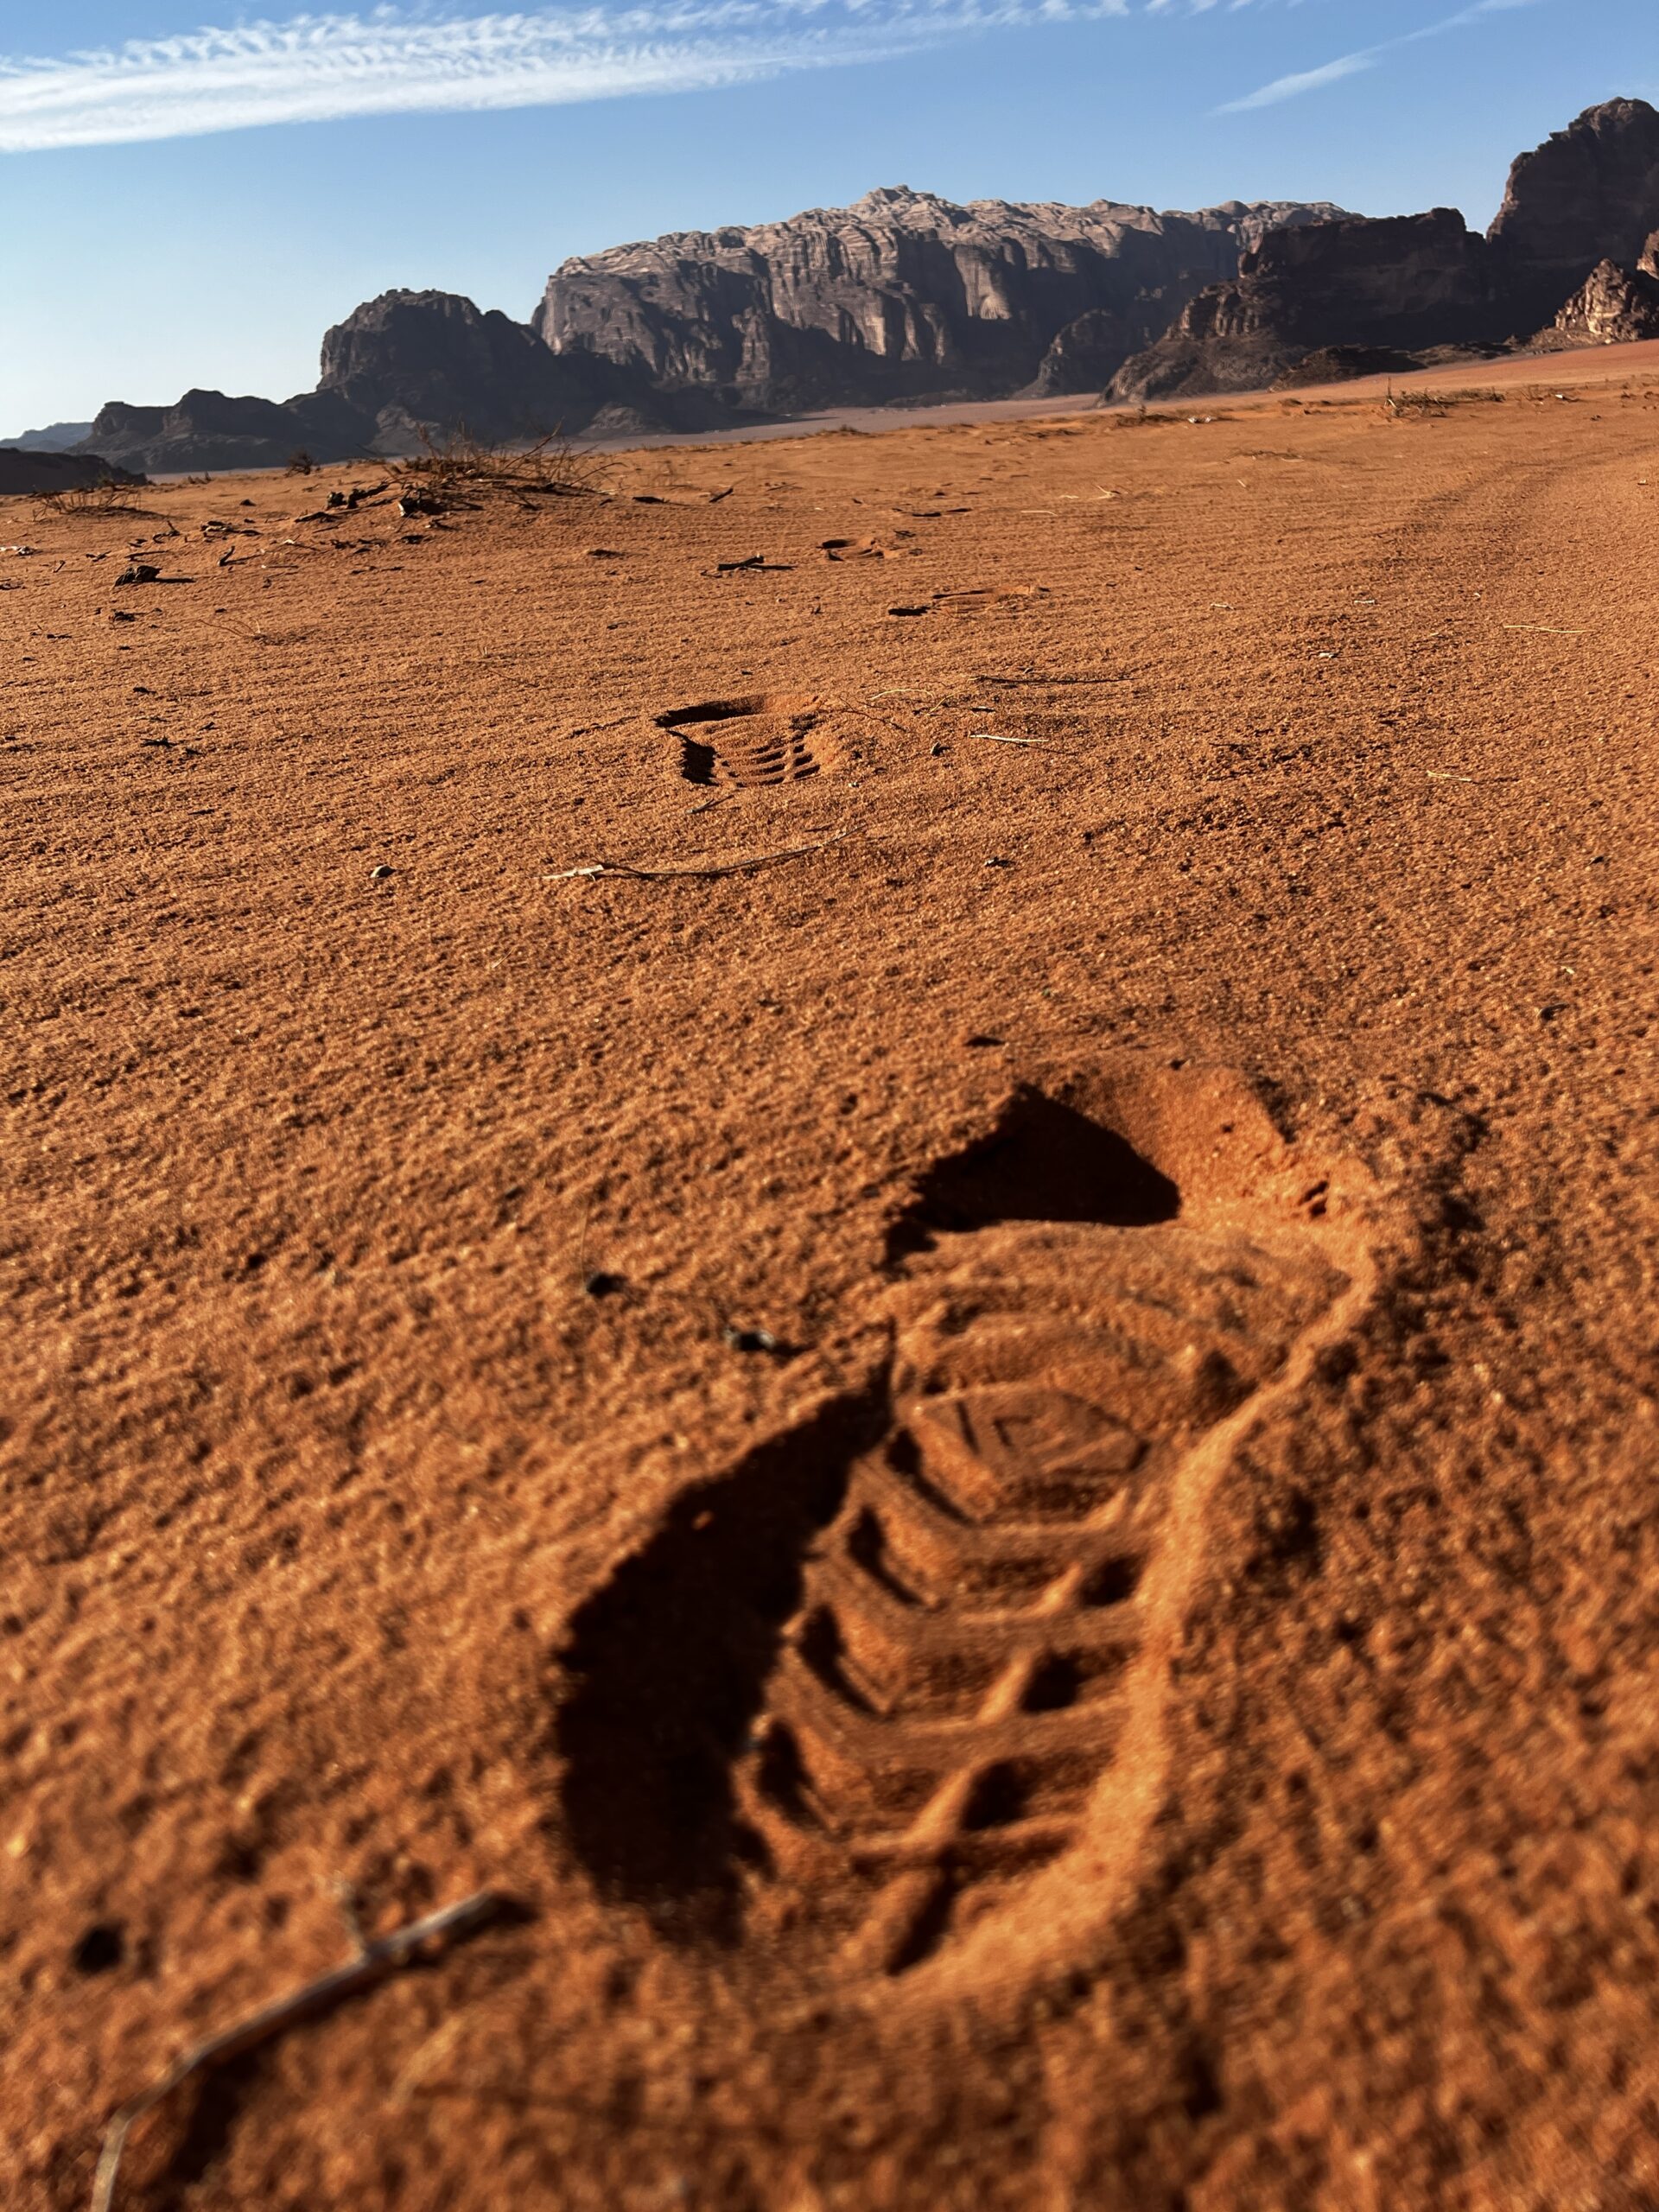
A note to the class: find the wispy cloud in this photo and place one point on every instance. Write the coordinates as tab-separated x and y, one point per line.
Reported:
1304	80
1365	57
315	68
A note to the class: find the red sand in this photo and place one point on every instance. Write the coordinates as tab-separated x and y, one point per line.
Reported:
1002	1471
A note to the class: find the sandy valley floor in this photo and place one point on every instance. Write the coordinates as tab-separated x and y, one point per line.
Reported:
1003	1472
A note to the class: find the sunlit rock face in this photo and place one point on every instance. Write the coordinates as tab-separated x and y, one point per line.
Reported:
903	296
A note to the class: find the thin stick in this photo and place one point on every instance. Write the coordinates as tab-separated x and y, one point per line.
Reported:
663	874
991	737
587	728
981	679
373	1963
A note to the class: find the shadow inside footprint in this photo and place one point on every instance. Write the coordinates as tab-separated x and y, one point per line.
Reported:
671	1659
1043	1161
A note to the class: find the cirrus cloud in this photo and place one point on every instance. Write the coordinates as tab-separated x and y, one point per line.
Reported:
318	68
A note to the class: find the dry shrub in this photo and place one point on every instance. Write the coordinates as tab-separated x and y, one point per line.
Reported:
1419	405
106	497
459	470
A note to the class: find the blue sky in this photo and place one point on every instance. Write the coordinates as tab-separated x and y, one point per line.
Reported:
191	193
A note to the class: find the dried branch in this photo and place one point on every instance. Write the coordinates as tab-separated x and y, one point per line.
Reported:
718	867
373	1961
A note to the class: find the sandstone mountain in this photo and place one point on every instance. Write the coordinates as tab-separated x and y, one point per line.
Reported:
903	296
1590	194
1396	282
214	430
399	367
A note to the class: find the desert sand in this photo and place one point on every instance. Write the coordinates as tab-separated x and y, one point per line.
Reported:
875	1217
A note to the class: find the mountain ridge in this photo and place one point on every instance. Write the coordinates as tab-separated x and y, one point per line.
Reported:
909	297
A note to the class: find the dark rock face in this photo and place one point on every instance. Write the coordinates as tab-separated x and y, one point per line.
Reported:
400	367
1397	282
211	431
1589	194
22	471
1086	355
903	296
410	360
1615	306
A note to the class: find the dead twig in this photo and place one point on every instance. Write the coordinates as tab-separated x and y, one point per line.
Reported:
991	737
981	679
373	1961
718	867
587	728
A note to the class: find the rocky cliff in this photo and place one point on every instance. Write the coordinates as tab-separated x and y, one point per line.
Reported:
399	367
1614	305
1400	283
409	360
1589	194
904	295
1394	282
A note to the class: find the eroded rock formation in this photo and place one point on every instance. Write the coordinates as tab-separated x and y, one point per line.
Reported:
410	360
1589	194
1395	282
1614	305
904	295
1402	282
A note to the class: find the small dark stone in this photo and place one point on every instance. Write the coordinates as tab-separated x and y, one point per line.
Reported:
750	1339
379	875
600	1285
102	1946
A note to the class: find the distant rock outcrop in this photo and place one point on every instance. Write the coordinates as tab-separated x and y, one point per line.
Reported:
904	295
1393	282
412	361
1589	194
211	430
1404	283
23	471
1614	305
56	438
401	367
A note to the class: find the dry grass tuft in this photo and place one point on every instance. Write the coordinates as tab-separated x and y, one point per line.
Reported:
1398	405
459	470
106	497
